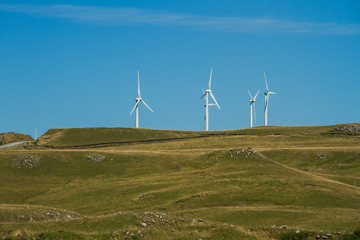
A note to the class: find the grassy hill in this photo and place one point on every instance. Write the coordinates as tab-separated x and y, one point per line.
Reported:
68	137
240	184
11	137
90	136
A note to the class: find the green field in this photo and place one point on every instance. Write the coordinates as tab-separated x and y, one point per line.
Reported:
124	183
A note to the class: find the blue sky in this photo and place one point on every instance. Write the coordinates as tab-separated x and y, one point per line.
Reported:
74	63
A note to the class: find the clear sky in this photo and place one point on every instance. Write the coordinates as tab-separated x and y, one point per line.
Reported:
74	63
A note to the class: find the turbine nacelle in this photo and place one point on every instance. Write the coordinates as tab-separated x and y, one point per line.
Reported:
269	93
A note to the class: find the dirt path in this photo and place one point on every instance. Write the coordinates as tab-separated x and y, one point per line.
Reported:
11	145
357	189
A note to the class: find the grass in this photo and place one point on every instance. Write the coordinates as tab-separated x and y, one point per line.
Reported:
213	187
91	136
88	136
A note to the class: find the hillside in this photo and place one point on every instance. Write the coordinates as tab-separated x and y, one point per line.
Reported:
240	184
11	137
90	136
69	137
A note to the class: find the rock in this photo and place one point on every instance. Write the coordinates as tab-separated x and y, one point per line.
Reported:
140	196
348	129
95	157
199	195
25	161
144	224
245	152
148	219
324	155
283	227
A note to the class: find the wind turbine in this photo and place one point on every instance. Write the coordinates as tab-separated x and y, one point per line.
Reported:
208	92
252	111
267	95
138	100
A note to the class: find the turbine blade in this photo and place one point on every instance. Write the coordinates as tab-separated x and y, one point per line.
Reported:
138	83
266	82
210	78
250	95
272	92
137	103
215	100
203	95
256	94
146	105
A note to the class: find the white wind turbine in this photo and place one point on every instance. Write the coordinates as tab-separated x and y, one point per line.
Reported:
138	100
208	92
267	95
252	110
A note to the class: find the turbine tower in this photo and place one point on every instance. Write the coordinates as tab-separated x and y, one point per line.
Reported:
138	100
208	93
252	110
267	95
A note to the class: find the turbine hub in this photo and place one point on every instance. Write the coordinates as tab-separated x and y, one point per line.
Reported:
137	99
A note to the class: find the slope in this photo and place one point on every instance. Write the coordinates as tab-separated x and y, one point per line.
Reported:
11	137
212	187
88	137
